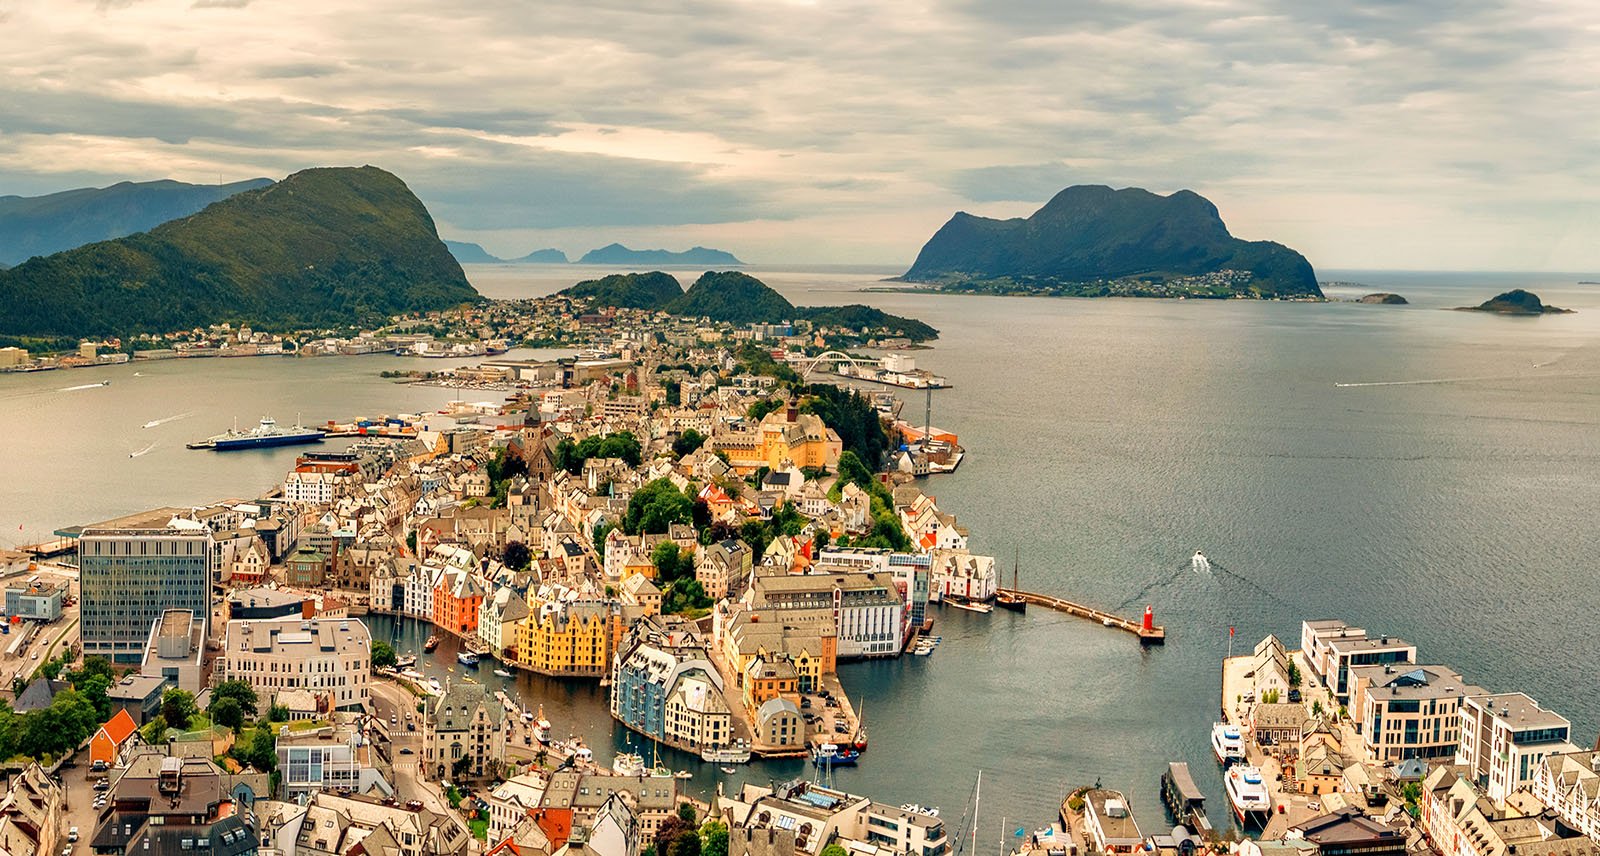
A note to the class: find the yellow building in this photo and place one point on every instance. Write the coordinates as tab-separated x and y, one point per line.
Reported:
567	638
13	357
785	436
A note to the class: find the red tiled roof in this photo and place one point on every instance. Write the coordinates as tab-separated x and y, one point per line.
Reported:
119	727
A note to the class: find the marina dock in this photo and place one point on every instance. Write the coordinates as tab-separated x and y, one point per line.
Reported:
1149	633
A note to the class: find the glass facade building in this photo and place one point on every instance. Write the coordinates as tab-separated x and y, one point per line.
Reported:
129	576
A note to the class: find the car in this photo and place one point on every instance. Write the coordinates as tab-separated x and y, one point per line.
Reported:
1314	805
65	851
394	719
102	785
411	726
1294	696
72	835
36	656
406	750
98	766
805	702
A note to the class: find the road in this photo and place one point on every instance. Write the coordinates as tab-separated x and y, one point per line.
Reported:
79	794
392	700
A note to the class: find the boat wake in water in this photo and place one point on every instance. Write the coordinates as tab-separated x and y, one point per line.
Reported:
142	451
1200	563
84	386
1198	566
158	422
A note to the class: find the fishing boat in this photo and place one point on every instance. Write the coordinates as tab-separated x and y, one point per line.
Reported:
406	662
729	770
1012	599
628	764
1226	743
1247	793
432	643
502	673
977	606
833	755
467	658
738	753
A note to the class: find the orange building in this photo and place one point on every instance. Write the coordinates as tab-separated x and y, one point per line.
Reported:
455	603
107	743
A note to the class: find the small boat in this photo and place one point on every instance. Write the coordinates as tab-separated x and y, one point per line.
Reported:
730	770
406	662
502	673
1012	600
1109	622
832	755
1227	743
977	606
683	774
433	684
1247	793
432	643
413	674
467	658
628	764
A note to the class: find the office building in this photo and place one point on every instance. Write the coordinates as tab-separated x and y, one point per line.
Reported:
1504	739
329	657
133	569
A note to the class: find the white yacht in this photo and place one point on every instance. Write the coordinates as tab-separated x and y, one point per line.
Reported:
1227	743
1247	794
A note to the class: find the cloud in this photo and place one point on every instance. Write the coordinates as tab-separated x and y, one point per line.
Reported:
846	130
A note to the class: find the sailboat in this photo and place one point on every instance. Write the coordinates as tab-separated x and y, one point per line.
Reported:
861	726
1012	598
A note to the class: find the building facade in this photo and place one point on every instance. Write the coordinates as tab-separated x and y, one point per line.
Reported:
132	570
331	658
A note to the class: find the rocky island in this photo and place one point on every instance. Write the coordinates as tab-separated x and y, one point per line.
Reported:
1515	302
1385	298
1093	241
617	254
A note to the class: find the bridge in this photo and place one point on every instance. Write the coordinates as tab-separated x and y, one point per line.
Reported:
810	365
1146	629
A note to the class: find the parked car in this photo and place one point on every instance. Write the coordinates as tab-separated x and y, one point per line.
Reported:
102	785
72	835
406	750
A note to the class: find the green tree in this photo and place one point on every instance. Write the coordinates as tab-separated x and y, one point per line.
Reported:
834	850
655	507
383	655
1294	674
714	837
686	844
517	556
758	411
689	441
94	687
670	563
227	713
154	730
258	750
239	691
601	530
178	707
686	813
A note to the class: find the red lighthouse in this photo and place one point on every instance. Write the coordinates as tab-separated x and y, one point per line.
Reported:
1149	619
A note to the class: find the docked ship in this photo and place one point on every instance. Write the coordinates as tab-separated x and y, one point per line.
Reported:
1012	599
738	753
977	606
1183	799
467	658
406	662
833	755
1247	794
262	436
1226	743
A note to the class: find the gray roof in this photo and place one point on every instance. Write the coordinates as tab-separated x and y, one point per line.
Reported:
38	695
453	711
136	687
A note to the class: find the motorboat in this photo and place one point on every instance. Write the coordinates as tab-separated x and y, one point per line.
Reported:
1247	794
1227	743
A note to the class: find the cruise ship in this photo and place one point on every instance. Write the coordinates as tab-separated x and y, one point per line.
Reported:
262	436
1247	794
1226	743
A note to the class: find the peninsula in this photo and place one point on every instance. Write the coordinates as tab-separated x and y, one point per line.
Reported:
1093	241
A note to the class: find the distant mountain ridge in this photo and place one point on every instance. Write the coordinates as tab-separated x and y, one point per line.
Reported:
469	253
1091	240
40	225
736	298
323	247
617	254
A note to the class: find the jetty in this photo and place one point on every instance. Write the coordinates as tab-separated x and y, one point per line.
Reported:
1146	629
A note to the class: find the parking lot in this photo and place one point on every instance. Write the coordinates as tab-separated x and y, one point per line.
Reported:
78	782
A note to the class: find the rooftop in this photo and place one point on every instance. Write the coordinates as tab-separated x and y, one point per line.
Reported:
1520	710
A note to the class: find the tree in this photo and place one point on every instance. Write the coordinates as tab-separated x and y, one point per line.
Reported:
94	687
689	441
259	750
154	730
687	813
383	655
239	691
834	850
1294	674
760	409
715	837
461	766
686	844
226	712
278	713
669	563
177	706
517	556
655	507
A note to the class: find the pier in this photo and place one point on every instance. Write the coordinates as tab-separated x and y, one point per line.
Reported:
1147	630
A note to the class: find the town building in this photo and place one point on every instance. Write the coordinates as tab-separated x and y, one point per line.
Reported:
799	817
1347	653
574	799
335	756
131	570
870	613
498	618
566	637
1405	711
332	824
463	734
1505	737
107	743
1457	818
1315	637
139	695
1108	822
174	650
665	687
1349	832
166	804
512	801
1569	784
456	599
30	813
331	658
37	599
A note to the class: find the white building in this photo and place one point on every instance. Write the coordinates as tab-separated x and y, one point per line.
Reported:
1569	784
511	802
418	589
329	657
1504	739
333	757
312	488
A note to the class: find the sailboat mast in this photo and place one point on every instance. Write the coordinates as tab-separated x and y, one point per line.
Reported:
977	797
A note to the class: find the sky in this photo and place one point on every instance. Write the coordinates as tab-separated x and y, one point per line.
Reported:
1437	134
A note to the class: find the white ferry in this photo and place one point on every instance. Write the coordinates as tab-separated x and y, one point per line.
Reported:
1226	743
1247	793
738	753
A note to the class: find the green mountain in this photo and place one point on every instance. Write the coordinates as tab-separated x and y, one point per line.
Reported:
41	225
1092	240
323	247
471	254
736	298
652	290
1516	302
617	254
544	257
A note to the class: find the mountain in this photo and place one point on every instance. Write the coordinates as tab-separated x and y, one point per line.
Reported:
1516	302
41	225
617	254
470	254
736	298
323	247
1091	240
543	257
652	290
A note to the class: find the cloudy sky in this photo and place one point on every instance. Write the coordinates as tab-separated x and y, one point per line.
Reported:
1437	134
